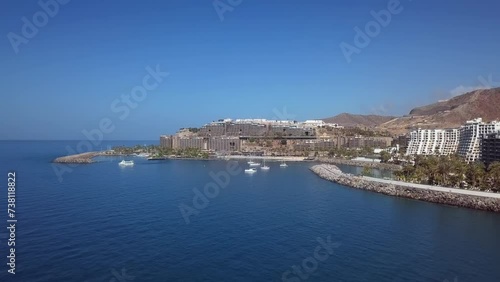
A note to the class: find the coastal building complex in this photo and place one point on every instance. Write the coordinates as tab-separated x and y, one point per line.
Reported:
490	148
401	142
219	144
224	144
256	128
166	141
315	145
263	128
470	137
433	142
373	142
254	135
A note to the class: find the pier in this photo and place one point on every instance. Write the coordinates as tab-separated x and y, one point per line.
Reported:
442	195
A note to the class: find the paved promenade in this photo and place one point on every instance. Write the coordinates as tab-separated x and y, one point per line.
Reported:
442	195
435	188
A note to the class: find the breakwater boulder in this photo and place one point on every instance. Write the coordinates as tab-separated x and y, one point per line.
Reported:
84	158
334	174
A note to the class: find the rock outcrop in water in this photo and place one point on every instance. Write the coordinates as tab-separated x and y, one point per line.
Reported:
334	174
84	158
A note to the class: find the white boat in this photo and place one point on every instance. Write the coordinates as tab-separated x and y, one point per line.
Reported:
265	167
254	164
126	163
143	155
250	170
283	164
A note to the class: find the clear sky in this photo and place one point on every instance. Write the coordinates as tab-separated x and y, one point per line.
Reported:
264	59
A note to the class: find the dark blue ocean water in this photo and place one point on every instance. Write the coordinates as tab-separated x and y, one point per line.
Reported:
106	223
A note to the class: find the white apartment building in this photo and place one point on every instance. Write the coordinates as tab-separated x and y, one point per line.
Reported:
470	137
433	142
319	123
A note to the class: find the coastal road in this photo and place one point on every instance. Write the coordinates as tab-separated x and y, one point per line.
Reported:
435	188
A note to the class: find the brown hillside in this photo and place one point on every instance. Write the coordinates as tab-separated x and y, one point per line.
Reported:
451	113
350	120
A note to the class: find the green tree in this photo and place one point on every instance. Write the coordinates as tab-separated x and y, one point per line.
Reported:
494	176
458	171
367	171
476	174
385	156
331	153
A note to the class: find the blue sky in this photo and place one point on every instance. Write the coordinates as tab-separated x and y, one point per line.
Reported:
265	59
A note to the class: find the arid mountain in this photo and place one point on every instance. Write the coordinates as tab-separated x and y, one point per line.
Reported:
450	113
350	120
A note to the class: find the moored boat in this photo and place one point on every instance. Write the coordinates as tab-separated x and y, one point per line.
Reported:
265	167
126	163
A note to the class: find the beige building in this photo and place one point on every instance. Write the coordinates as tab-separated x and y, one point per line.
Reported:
224	144
166	141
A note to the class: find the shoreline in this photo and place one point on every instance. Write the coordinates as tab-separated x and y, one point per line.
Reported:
267	158
87	158
441	195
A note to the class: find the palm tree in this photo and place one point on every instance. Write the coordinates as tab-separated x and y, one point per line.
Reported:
421	175
443	170
475	175
458	170
367	171
494	175
430	164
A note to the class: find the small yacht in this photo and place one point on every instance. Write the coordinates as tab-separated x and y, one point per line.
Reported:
283	164
265	167
126	163
254	164
250	170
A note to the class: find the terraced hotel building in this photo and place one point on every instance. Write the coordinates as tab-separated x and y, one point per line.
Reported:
433	142
470	137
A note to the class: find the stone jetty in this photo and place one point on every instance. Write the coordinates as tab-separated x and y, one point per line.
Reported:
84	158
469	199
392	167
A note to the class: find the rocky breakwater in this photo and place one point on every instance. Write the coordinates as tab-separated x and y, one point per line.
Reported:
84	158
334	174
392	167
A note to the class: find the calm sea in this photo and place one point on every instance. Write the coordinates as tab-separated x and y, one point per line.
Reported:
101	222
